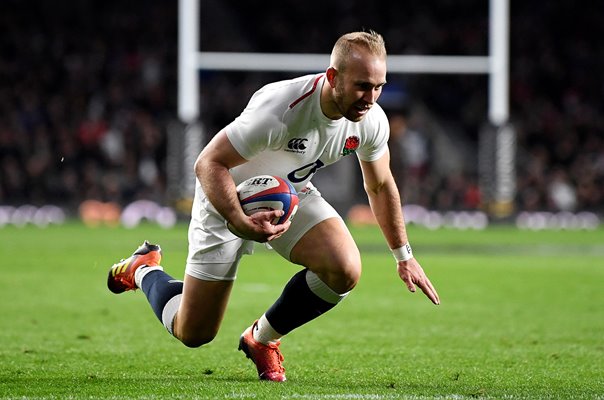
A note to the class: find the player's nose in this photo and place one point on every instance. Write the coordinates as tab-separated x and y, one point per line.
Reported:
370	97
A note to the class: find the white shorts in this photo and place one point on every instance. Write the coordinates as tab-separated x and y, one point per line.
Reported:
214	252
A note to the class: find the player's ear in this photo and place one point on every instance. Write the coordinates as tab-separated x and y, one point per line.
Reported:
331	75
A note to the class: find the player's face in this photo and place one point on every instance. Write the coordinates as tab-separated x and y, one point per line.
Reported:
359	86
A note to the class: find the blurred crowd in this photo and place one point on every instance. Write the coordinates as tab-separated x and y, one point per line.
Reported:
87	90
557	104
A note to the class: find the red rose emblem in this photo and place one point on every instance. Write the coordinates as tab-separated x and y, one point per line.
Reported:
352	143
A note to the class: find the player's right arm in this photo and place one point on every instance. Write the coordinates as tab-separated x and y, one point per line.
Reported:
212	170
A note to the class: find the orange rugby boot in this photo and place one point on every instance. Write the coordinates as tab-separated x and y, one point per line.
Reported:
268	358
121	275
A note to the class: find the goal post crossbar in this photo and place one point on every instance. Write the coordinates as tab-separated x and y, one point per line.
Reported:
318	62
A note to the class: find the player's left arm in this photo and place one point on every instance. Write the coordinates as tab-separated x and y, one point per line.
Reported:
385	203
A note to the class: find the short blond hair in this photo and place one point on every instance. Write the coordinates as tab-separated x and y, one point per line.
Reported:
371	40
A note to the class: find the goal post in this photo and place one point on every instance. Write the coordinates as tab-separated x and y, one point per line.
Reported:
495	65
497	139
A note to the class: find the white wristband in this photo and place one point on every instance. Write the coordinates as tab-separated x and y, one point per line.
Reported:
403	253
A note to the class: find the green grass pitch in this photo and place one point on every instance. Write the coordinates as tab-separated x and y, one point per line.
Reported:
522	317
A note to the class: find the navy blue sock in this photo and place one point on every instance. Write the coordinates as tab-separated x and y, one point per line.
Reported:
296	306
159	288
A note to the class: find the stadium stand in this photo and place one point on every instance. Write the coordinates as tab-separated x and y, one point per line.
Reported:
88	88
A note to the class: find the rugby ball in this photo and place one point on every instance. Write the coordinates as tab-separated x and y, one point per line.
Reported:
267	193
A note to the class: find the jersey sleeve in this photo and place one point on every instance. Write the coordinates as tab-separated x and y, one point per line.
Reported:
257	128
376	142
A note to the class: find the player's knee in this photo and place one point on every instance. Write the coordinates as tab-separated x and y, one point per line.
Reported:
350	278
347	274
198	339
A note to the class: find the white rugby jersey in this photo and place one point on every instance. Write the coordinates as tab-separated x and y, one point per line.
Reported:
284	132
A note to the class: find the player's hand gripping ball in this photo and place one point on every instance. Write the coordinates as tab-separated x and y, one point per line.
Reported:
267	193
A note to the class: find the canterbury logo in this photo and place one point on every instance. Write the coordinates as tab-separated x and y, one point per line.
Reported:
297	144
